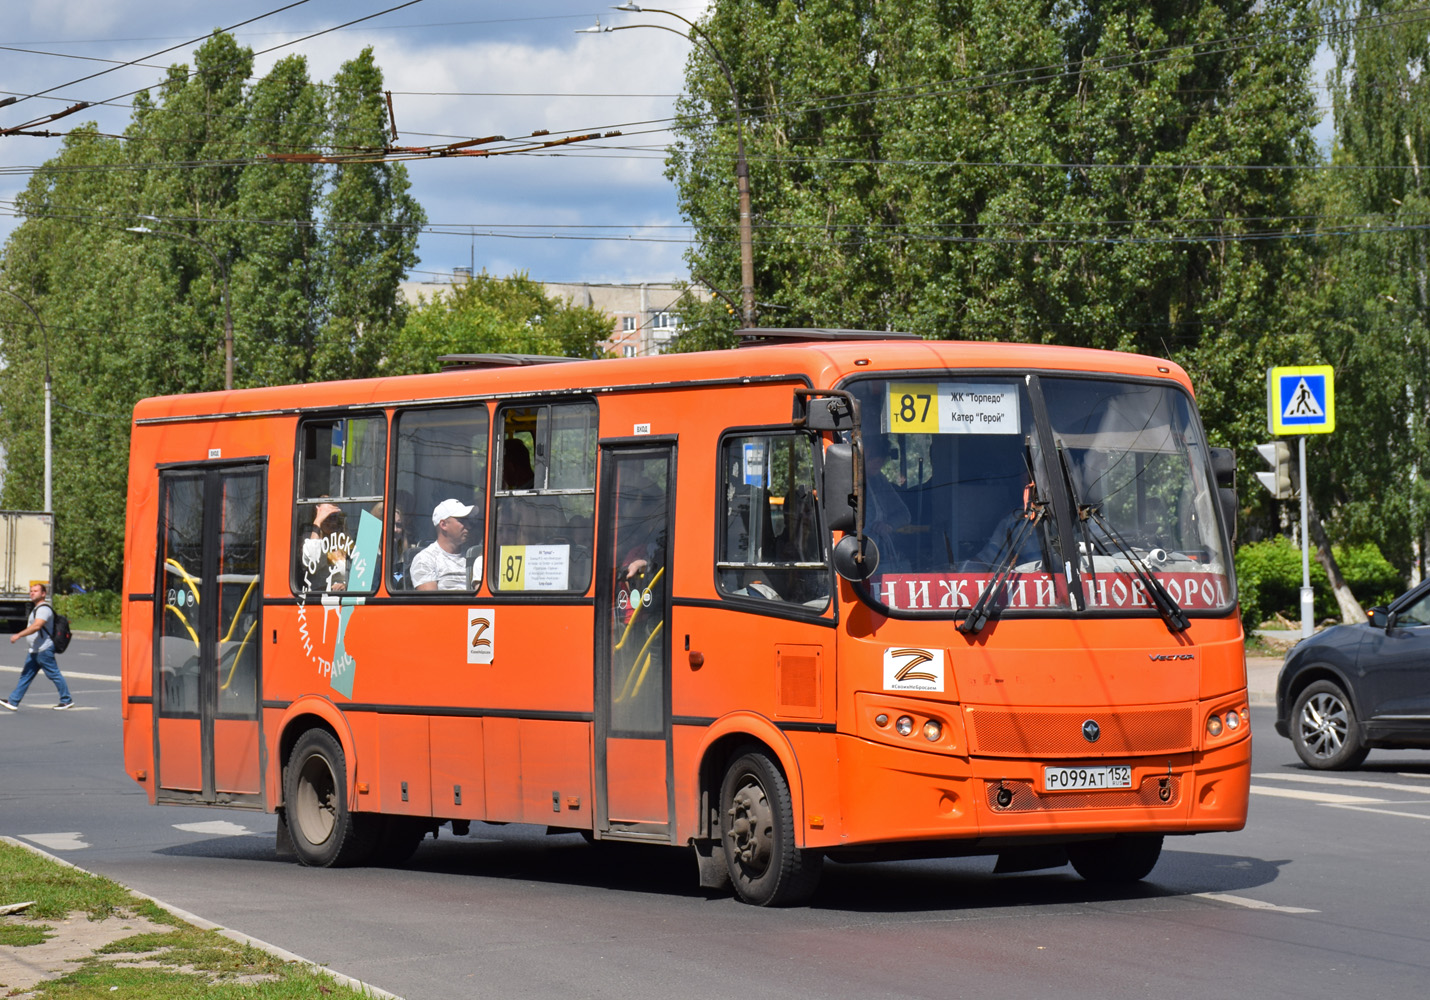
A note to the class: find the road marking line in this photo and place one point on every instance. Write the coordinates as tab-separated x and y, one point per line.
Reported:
217	827
1383	812
1321	779
1251	904
1325	798
1412	774
57	841
70	673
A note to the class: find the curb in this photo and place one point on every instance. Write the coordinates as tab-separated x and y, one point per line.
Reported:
232	935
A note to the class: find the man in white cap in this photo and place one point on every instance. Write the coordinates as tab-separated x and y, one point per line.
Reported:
442	565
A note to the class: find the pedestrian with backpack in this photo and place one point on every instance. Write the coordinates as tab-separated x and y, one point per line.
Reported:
41	631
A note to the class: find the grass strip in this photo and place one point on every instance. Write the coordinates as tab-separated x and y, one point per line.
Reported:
175	959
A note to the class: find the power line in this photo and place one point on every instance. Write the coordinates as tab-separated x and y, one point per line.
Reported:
290	6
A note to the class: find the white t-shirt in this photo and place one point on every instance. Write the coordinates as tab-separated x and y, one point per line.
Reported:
449	569
42	640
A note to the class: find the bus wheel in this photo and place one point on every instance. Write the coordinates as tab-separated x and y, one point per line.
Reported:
315	794
757	821
1128	858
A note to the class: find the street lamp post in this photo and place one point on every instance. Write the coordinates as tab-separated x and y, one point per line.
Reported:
49	448
742	170
223	272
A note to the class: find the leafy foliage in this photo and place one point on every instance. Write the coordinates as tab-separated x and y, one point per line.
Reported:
491	315
1268	580
311	257
1367	477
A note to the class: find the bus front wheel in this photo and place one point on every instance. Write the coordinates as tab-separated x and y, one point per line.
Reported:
325	833
1128	858
767	868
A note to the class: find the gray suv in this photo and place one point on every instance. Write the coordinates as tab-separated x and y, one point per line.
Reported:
1352	688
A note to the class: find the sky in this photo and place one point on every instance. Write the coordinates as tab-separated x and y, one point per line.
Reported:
457	70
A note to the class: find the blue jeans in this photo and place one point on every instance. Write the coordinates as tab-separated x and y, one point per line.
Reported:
34	663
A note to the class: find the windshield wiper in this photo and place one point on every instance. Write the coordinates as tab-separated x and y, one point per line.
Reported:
1167	607
1035	509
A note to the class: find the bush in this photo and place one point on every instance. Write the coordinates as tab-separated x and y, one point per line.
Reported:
1268	580
96	609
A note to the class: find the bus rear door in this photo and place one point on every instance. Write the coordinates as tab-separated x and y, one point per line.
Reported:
207	660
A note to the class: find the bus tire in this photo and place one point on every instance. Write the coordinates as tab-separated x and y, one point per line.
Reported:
315	795
1117	861
757	833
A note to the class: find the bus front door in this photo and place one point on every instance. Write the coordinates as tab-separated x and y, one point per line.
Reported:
208	649
634	794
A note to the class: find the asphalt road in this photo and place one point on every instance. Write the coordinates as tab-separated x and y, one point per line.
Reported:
1321	895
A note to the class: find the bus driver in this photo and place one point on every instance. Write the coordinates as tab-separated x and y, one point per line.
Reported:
442	565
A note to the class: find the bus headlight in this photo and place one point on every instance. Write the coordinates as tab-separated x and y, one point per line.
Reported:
1214	726
905	725
932	730
1233	720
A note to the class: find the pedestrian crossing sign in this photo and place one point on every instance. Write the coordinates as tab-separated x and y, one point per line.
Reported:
1301	400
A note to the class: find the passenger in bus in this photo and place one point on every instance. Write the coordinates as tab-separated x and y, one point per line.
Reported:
397	545
443	564
641	544
886	512
516	471
326	548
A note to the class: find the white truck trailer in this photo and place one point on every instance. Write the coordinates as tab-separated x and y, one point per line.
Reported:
27	545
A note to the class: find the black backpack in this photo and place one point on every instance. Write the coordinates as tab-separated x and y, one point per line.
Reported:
59	629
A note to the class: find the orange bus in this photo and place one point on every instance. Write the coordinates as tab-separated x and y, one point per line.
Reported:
834	594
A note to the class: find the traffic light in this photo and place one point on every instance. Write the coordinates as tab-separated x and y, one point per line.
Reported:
1278	481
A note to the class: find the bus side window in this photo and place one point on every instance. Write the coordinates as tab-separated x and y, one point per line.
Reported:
341	470
441	461
771	545
546	497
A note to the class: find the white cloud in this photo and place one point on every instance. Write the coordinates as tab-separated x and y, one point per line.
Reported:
475	48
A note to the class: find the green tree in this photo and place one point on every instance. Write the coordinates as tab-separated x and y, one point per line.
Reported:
312	255
1057	171
491	315
1368	477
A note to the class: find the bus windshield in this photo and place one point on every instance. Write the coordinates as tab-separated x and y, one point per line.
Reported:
1059	494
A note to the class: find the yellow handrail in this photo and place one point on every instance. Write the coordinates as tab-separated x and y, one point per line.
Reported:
642	660
193	584
239	655
183	621
233	624
636	613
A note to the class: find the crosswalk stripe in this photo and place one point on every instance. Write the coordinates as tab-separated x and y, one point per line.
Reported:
1327	798
1326	779
1251	904
70	674
73	841
1383	812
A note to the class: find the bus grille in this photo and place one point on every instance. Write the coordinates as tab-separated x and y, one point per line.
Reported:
1026	797
1059	733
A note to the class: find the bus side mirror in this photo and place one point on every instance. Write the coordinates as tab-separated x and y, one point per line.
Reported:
1230	507
853	561
837	497
1224	467
826	413
1224	471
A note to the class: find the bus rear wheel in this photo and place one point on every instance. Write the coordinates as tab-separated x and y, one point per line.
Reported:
1120	860
315	795
757	827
